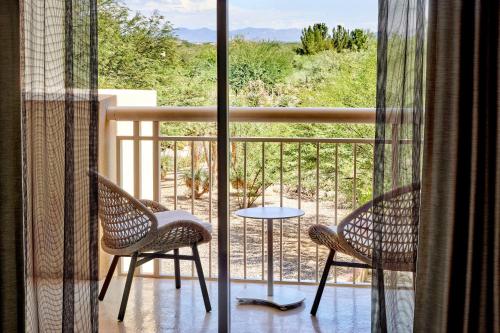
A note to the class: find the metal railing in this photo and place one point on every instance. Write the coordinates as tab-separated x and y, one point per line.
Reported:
277	163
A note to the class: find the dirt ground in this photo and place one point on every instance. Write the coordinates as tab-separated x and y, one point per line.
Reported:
286	262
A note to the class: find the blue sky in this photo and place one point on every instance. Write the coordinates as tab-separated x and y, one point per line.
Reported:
264	13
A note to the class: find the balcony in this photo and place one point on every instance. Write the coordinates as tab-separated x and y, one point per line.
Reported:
324	176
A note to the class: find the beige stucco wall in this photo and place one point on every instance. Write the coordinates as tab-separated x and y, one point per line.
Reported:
107	146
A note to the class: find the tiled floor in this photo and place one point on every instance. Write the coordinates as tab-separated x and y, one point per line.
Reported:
156	306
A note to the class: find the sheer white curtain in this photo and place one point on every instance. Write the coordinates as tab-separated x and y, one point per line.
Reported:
59	120
397	159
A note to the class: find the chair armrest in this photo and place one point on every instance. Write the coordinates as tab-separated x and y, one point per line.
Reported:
154	206
325	235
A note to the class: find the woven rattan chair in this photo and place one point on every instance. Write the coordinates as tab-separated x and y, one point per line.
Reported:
354	235
147	230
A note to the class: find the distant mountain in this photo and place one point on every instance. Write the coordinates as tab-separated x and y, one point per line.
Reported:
205	35
281	35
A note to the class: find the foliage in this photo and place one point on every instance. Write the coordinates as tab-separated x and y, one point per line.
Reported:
358	40
139	52
346	79
266	62
165	163
340	38
316	39
200	185
135	52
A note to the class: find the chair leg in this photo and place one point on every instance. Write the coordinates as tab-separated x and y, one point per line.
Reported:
322	283
128	284
381	300
177	269
201	277
111	271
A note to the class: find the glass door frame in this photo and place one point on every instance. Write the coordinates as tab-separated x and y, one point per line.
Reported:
224	287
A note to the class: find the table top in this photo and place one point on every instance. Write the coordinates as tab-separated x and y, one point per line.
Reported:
269	212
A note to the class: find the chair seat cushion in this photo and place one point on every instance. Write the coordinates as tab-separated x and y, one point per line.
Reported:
166	218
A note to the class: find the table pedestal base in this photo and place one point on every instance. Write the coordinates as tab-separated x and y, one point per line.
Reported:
282	301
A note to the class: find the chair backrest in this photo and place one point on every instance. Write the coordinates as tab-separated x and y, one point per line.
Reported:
127	224
395	234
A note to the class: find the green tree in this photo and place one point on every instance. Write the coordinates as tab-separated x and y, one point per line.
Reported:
340	38
315	39
135	51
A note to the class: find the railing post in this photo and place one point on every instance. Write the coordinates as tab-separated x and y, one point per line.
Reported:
156	161
137	159
156	177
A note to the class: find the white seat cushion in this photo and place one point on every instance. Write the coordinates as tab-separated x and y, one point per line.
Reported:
167	217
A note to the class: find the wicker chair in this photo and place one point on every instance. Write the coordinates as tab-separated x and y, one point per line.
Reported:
147	230
354	235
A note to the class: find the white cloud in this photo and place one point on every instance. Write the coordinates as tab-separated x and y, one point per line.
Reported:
202	13
173	6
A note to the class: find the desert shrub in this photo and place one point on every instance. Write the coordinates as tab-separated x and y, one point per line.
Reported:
199	184
253	182
267	62
358	40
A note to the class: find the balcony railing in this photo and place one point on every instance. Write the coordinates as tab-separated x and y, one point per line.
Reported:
308	173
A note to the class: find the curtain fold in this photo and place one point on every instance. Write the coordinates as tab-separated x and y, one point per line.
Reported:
59	122
397	161
458	272
11	214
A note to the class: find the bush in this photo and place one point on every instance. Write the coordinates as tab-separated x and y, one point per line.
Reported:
252	181
358	40
200	185
267	62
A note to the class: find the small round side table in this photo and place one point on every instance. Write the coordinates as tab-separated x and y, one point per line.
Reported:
282	301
